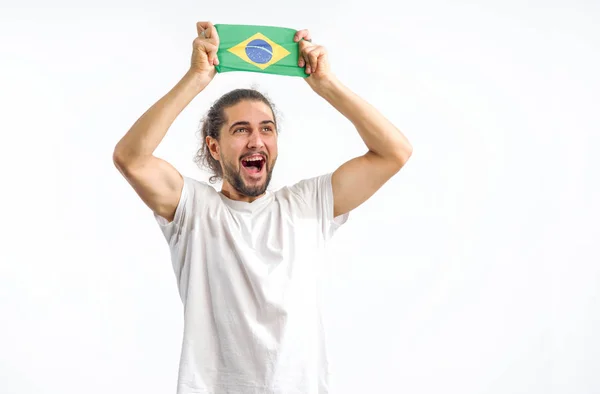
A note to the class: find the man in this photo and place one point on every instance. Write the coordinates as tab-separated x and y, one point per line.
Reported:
246	259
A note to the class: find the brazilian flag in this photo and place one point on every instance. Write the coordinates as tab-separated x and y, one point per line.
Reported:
263	49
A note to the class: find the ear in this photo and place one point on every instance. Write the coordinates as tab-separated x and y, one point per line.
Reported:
213	147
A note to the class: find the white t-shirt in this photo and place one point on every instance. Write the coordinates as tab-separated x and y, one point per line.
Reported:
247	275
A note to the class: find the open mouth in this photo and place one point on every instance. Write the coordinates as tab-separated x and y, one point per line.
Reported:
254	164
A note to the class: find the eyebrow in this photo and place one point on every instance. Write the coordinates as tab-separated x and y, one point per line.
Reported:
245	123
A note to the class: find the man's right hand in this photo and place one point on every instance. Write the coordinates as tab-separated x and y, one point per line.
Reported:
204	55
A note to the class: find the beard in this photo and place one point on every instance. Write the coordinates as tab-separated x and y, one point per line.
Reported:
236	179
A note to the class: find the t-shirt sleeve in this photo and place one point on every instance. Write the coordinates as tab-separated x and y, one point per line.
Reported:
317	192
183	213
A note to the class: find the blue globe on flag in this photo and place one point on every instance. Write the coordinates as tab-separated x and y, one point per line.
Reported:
259	51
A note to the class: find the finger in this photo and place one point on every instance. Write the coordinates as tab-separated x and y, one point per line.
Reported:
302	34
301	59
304	46
208	48
313	58
211	50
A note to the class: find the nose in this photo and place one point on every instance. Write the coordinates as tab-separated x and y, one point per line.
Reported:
255	140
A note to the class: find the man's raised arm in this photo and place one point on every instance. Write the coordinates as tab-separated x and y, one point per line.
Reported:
156	181
388	149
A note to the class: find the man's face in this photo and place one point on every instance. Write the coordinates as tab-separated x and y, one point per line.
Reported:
247	150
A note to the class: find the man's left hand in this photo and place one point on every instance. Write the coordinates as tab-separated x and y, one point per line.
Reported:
314	59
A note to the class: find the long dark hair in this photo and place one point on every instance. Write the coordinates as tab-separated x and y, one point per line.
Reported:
215	119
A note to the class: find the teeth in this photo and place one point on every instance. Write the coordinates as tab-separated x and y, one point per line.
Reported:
253	159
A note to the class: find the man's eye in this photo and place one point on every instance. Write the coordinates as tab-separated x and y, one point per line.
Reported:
269	129
240	130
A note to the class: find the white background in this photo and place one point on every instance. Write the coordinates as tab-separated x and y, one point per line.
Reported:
475	270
